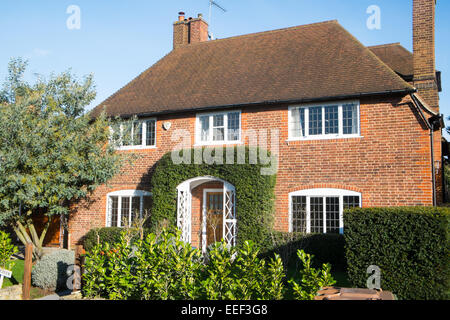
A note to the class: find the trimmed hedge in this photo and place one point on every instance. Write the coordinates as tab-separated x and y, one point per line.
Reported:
254	191
410	245
326	248
105	235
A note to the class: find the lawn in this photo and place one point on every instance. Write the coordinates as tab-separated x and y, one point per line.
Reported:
17	278
17	274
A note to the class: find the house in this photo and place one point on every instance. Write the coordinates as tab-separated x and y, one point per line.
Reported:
352	125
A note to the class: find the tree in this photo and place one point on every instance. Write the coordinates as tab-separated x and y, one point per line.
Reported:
51	151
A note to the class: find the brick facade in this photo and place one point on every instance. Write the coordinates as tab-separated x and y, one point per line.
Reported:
390	165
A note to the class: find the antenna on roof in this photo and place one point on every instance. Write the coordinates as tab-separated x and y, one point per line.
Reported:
213	3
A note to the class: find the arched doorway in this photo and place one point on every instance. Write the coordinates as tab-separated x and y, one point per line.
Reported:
214	218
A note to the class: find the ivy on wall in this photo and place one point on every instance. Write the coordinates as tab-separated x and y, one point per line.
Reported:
254	190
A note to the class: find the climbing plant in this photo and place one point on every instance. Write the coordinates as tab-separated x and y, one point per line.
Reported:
254	187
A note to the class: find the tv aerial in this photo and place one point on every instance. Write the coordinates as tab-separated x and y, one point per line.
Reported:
213	3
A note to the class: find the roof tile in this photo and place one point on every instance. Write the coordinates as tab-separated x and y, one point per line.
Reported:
294	64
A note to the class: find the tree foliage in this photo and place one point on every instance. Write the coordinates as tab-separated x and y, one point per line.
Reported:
51	151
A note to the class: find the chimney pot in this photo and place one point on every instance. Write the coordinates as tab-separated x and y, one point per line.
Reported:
191	31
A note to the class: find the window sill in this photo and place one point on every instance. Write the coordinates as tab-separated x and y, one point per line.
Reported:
218	143
319	138
136	148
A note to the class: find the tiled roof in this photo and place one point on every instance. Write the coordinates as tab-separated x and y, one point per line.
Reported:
303	63
397	57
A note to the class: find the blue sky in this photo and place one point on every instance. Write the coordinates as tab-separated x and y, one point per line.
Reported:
120	39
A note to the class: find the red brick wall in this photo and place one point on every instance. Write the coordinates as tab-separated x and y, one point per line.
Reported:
390	164
424	51
424	13
189	31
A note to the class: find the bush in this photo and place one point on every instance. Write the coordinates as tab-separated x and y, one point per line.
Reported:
326	248
312	280
101	235
51	271
7	249
164	267
410	245
233	274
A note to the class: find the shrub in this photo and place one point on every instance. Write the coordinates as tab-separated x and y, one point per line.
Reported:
101	235
164	267
155	268
410	245
51	271
7	249
312	280
254	191
233	274
326	248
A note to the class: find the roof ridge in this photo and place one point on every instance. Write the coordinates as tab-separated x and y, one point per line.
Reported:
254	34
385	45
381	62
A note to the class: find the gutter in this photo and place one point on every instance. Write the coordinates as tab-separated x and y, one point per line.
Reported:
270	102
430	123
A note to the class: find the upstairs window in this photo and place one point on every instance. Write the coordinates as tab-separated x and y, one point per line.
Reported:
140	134
327	121
218	128
321	210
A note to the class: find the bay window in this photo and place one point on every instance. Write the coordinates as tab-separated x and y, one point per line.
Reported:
327	121
321	210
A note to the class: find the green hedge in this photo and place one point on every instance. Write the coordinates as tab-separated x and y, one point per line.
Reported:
410	245
254	191
105	235
326	248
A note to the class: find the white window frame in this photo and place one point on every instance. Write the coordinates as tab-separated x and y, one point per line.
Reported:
198	131
122	194
324	136
322	193
143	144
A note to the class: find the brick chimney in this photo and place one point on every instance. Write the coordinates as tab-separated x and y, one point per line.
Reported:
424	51
187	31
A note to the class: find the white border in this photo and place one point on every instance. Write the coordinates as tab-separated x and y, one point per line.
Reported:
144	136
322	192
324	136
198	141
125	193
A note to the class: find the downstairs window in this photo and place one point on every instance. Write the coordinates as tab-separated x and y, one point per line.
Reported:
124	207
321	210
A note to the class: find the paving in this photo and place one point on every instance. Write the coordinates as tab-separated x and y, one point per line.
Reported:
57	296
